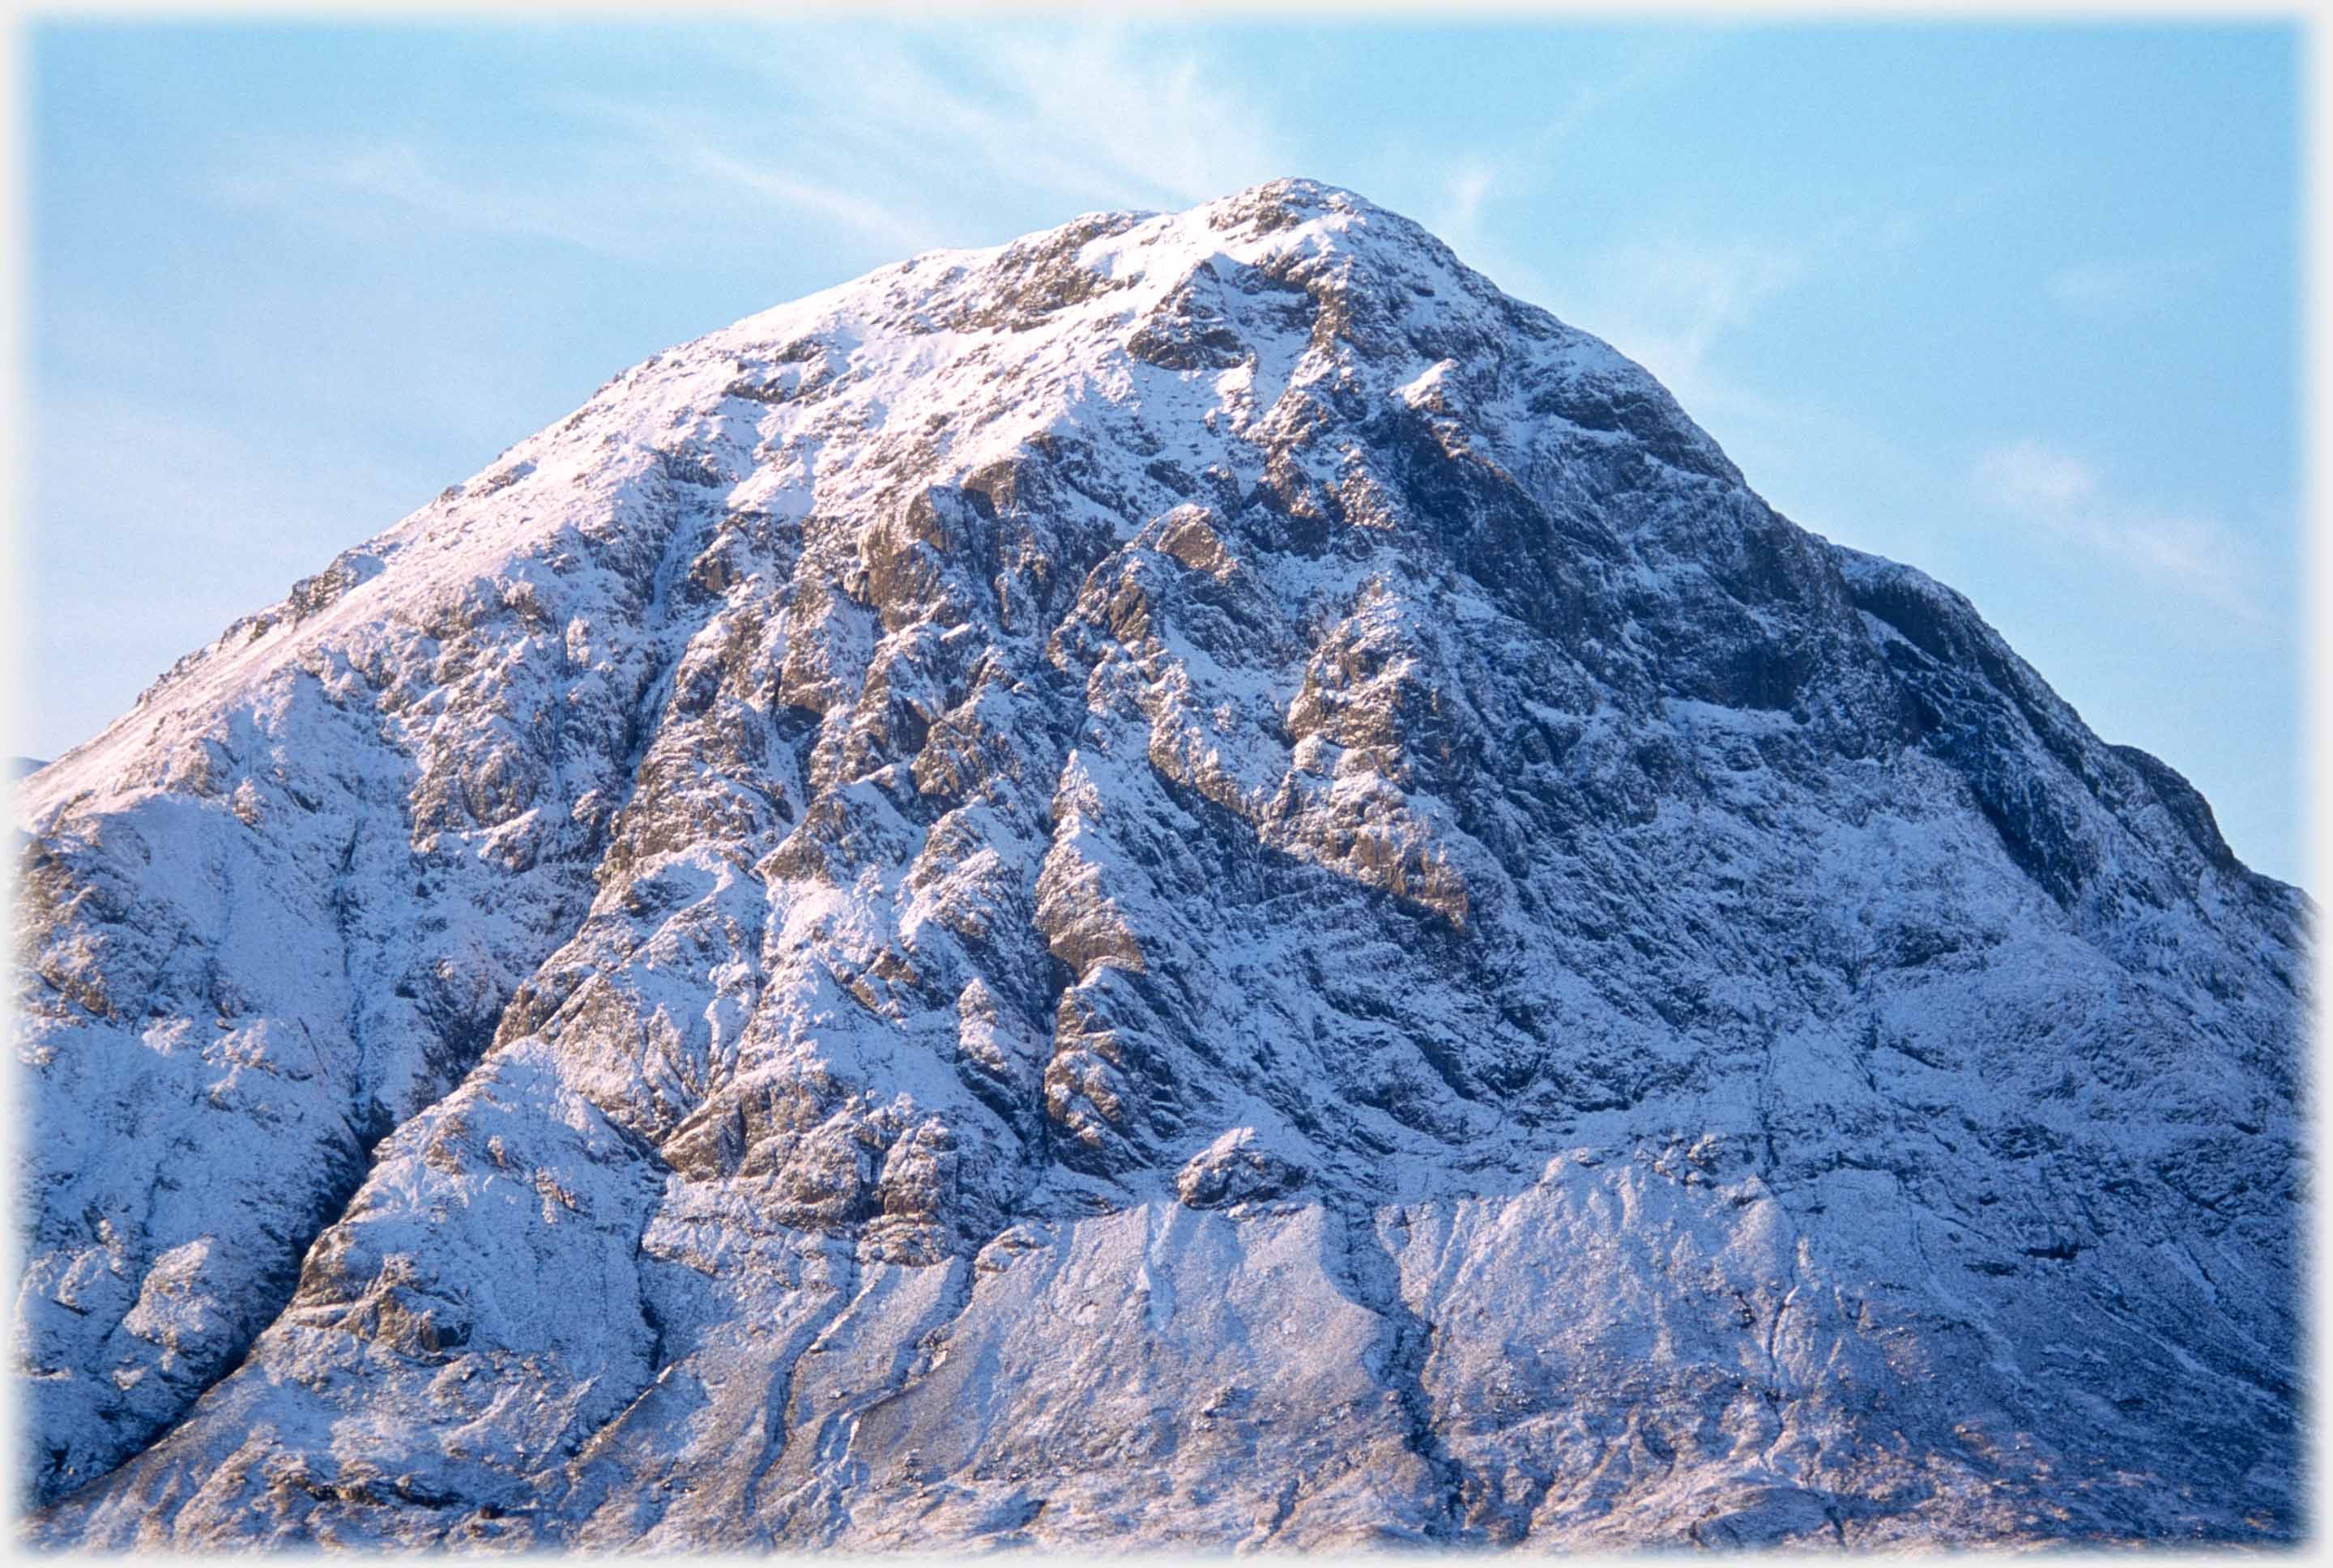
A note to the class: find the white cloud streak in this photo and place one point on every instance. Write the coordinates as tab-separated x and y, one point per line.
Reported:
1674	299
399	176
2193	554
2125	288
902	143
1644	67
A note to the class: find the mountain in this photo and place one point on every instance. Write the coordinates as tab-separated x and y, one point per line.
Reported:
1191	882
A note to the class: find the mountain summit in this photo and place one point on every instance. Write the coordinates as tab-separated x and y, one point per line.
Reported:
1191	882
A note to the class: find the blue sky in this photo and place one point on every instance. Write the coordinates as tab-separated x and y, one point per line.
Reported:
2017	303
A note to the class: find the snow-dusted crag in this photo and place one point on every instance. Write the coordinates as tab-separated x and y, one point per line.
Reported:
1191	882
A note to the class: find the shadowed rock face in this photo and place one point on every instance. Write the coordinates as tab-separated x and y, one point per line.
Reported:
1193	881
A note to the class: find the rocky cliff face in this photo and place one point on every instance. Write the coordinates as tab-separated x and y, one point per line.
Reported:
1189	881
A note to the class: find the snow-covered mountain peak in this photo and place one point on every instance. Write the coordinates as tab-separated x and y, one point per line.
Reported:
1190	880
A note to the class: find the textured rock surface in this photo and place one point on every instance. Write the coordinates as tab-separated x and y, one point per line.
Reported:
1189	881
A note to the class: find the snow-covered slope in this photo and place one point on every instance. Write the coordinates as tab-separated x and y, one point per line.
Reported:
1192	881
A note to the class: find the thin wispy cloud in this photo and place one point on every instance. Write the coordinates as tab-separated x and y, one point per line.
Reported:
1135	110
2190	553
694	152
904	148
1674	299
1671	302
2125	288
886	224
1469	189
1107	116
1519	169
399	179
